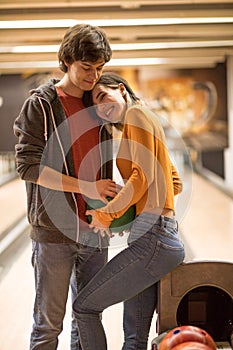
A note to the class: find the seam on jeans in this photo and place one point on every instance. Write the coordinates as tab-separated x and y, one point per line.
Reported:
100	241
38	284
153	255
139	314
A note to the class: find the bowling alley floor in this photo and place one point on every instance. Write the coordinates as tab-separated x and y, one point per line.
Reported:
206	230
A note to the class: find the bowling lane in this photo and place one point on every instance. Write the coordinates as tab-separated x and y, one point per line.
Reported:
207	232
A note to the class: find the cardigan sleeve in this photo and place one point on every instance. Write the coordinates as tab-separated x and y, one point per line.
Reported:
177	183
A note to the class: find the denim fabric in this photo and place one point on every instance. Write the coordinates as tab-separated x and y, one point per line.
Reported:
154	250
56	267
138	314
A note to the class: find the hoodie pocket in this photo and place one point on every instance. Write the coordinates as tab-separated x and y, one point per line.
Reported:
52	210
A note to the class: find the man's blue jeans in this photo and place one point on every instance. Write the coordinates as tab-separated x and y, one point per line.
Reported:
56	266
138	314
154	250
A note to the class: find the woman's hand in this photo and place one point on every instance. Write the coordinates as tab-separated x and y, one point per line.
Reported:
96	226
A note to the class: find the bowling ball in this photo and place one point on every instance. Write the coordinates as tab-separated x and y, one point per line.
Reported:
191	345
117	225
183	334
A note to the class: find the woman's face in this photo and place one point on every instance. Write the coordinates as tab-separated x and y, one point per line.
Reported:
110	103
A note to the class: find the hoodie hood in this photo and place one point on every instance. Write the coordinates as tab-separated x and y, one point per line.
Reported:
46	90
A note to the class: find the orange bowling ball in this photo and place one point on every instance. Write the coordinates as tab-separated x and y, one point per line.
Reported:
191	345
184	334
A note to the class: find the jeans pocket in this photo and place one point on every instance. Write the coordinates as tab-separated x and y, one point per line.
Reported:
164	259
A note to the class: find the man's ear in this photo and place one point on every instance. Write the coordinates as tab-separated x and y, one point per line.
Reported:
66	64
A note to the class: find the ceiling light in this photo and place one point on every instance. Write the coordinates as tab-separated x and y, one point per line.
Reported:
115	62
171	45
123	47
63	23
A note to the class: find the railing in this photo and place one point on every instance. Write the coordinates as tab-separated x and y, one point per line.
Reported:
13	218
7	167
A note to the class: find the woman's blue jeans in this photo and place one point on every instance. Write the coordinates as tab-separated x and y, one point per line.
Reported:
56	267
154	249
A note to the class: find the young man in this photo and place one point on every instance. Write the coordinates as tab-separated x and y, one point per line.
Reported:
58	155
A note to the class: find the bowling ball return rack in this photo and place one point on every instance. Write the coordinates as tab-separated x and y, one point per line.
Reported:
198	293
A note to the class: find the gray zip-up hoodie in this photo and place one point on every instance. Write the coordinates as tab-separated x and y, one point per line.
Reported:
44	139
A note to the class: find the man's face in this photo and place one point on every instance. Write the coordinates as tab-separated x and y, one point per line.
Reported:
83	75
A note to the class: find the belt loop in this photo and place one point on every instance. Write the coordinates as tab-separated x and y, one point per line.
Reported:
161	220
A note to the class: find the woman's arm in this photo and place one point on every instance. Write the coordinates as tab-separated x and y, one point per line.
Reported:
177	183
136	161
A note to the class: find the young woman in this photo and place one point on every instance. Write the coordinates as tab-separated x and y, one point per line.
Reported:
151	182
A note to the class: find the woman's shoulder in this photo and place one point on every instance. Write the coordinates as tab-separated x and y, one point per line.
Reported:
136	112
143	117
139	115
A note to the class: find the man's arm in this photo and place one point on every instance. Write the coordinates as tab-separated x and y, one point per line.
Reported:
55	180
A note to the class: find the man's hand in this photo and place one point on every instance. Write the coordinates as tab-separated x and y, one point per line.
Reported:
106	188
99	189
96	226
